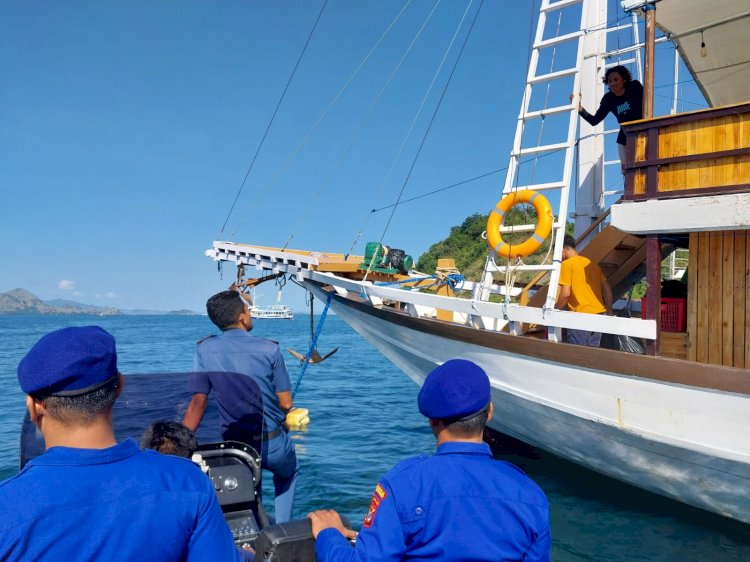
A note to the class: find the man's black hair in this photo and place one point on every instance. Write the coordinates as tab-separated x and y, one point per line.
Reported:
621	70
470	427
170	438
569	242
224	308
82	409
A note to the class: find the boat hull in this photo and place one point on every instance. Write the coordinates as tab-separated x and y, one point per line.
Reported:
680	441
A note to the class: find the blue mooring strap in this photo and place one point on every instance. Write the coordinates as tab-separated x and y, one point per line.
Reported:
313	344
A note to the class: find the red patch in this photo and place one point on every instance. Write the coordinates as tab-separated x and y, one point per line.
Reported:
377	497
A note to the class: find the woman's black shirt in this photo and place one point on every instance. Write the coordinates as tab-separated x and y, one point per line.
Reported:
627	107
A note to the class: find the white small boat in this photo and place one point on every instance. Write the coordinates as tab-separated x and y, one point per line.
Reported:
275	311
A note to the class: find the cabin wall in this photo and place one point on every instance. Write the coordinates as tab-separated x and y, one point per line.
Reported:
719	298
694	153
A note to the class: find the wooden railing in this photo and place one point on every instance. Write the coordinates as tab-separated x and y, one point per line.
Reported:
689	154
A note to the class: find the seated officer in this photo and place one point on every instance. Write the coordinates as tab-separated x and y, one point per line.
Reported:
91	498
457	504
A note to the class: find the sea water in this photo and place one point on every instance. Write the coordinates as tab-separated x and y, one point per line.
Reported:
364	419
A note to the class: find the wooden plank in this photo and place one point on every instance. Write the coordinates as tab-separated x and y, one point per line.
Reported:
747	297
701	338
692	303
722	169
674	344
695	143
603	243
727	294
743	170
715	334
653	293
739	280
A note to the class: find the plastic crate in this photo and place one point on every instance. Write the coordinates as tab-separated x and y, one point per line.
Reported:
673	314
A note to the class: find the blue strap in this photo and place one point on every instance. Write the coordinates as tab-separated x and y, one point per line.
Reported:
313	344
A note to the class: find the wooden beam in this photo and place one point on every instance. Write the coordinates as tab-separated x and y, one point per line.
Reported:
653	293
727	297
715	334
740	288
648	74
692	302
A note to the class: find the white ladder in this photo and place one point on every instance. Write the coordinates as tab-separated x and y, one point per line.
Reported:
590	46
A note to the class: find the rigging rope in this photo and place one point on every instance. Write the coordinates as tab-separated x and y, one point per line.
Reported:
437	107
361	125
445	188
273	117
313	343
323	115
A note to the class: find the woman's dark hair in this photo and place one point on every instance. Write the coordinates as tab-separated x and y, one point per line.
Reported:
169	438
621	70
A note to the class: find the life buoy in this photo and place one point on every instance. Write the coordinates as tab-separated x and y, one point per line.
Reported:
531	244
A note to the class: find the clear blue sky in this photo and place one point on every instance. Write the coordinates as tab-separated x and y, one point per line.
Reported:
126	129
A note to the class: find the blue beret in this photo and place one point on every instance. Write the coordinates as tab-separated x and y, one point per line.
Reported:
68	362
455	389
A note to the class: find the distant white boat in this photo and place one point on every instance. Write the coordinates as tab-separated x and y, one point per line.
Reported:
277	311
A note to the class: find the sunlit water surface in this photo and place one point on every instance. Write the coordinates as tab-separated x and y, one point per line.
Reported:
364	419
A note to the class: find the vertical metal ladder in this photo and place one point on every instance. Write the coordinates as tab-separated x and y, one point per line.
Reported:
586	67
592	16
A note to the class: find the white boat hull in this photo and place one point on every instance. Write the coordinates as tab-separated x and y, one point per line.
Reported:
683	442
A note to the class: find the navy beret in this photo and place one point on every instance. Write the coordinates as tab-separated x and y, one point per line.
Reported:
455	389
68	362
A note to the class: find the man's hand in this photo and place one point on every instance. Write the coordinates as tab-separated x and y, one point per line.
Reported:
328	519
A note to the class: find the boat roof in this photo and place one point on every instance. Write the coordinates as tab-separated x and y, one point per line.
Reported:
723	75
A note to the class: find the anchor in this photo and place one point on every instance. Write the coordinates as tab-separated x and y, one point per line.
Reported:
313	356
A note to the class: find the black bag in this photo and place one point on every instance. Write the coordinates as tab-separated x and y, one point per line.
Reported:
621	343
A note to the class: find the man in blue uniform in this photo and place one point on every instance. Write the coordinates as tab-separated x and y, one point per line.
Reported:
458	504
91	498
260	360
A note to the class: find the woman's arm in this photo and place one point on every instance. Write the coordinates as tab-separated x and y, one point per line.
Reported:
597	117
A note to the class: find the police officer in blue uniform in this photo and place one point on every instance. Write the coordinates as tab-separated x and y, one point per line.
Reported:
457	504
91	498
260	360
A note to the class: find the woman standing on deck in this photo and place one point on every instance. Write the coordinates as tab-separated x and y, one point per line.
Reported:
624	100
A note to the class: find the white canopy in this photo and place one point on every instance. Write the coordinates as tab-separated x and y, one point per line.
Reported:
723	75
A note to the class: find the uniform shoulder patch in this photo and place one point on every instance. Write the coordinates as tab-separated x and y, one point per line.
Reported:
377	499
200	341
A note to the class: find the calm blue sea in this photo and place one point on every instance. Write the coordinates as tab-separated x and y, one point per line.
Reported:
364	419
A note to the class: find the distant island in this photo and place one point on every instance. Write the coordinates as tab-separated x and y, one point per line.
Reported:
21	301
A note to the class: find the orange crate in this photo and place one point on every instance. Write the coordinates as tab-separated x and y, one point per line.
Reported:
673	314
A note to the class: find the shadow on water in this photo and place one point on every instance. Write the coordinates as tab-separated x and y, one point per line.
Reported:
595	517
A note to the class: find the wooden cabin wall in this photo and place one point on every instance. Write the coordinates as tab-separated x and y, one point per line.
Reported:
719	298
678	150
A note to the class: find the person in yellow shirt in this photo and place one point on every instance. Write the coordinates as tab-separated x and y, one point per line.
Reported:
583	288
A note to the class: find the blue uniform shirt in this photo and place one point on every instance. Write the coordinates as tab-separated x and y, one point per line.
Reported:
237	351
458	504
119	503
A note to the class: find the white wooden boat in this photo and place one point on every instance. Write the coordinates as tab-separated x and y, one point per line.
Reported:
673	420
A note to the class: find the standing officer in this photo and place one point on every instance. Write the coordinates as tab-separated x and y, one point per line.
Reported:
458	504
260	360
91	498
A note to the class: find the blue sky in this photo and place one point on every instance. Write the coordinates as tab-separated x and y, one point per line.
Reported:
126	129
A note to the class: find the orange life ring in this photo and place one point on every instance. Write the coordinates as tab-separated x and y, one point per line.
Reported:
531	244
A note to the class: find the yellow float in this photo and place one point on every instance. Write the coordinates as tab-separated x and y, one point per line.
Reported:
531	244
